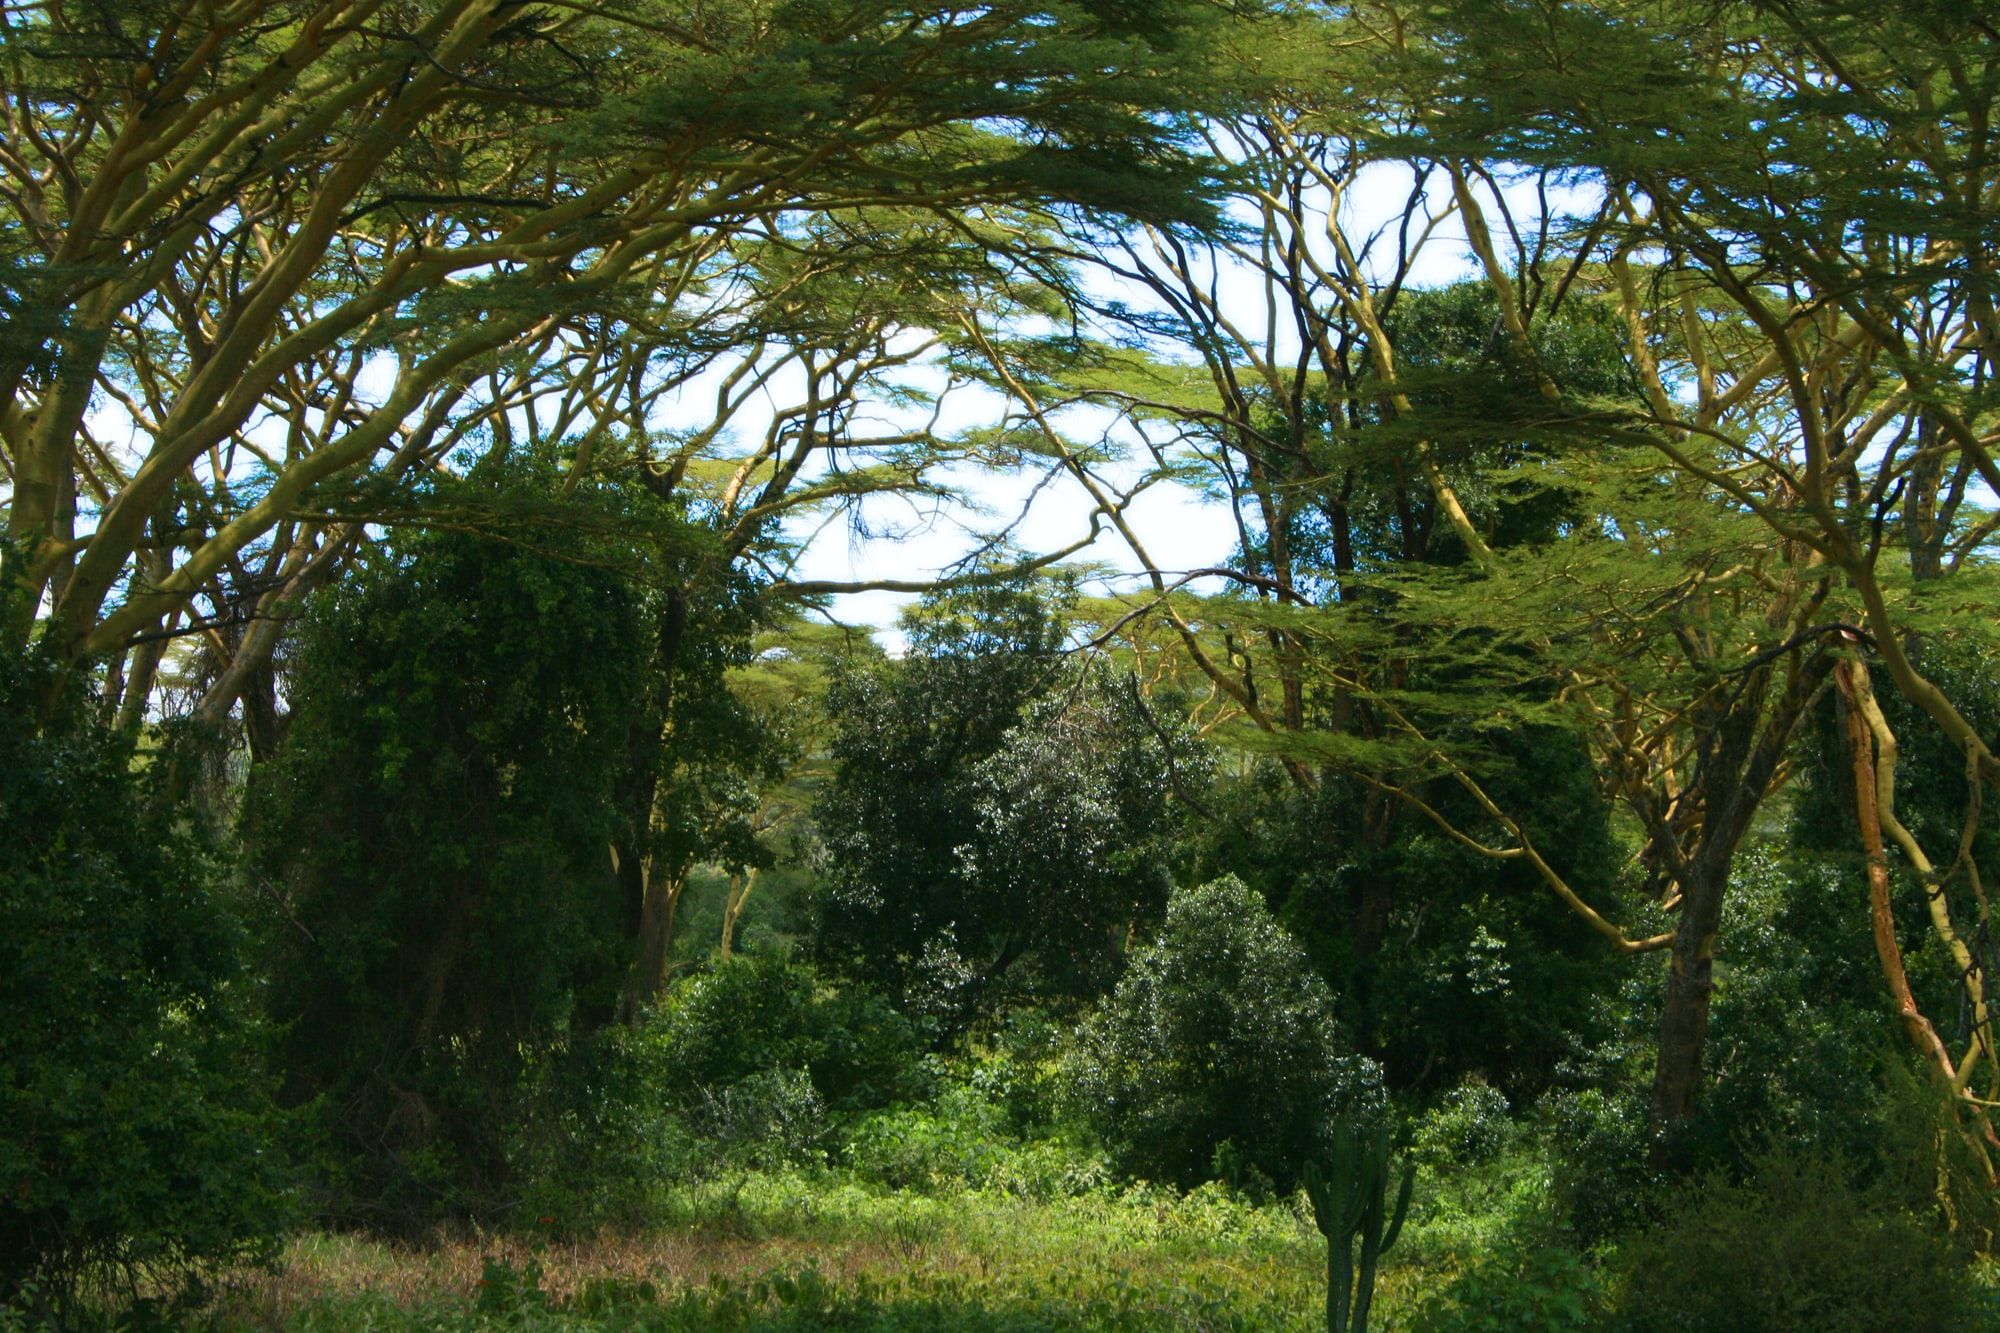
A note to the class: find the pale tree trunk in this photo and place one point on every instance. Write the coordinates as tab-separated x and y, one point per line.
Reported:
1871	748
740	886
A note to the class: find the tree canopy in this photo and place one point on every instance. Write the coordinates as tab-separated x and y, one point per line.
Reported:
425	426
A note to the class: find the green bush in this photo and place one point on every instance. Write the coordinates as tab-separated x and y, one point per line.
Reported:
752	1015
768	1119
1793	1245
752	1063
1517	1288
965	1140
1445	965
1469	1126
596	1144
917	1149
1601	1172
135	1130
997	819
1019	1068
1800	1049
1218	1034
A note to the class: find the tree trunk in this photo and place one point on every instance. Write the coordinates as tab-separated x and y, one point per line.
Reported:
650	894
660	901
733	909
1690	986
1375	897
1741	754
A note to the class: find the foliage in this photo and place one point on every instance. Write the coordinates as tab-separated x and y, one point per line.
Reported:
366	196
1803	1044
136	1128
434	840
1470	390
1463	1212
1517	1288
592	1144
1801	1048
1481	972
999	821
1601	1175
1941	809
952	1146
754	1063
1073	826
1469	1126
899	805
1219	1033
1793	1244
987	1258
761	1015
985	1127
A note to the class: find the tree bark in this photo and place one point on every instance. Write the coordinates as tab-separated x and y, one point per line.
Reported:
1861	751
658	907
733	909
1741	754
651	893
1684	1009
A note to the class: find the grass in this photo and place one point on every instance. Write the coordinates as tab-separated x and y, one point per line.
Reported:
791	1251
808	1249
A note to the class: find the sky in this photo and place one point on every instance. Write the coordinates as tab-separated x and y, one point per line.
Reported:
1181	529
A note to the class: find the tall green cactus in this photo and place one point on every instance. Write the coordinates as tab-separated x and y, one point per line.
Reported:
1350	1201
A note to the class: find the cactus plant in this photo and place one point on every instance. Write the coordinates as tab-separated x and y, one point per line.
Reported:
1349	1196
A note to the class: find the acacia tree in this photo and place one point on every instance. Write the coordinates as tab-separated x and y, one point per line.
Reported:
1796	217
1691	740
292	255
288	246
1357	431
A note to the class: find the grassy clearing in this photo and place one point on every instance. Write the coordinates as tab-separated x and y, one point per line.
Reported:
788	1251
820	1249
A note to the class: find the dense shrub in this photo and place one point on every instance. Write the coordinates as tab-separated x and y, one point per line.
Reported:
1793	1245
918	1149
1601	1173
761	1014
966	1138
593	1143
753	1063
134	1127
1517	1288
1801	1041
1801	1048
1018	1065
1469	1126
1219	1034
900	805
